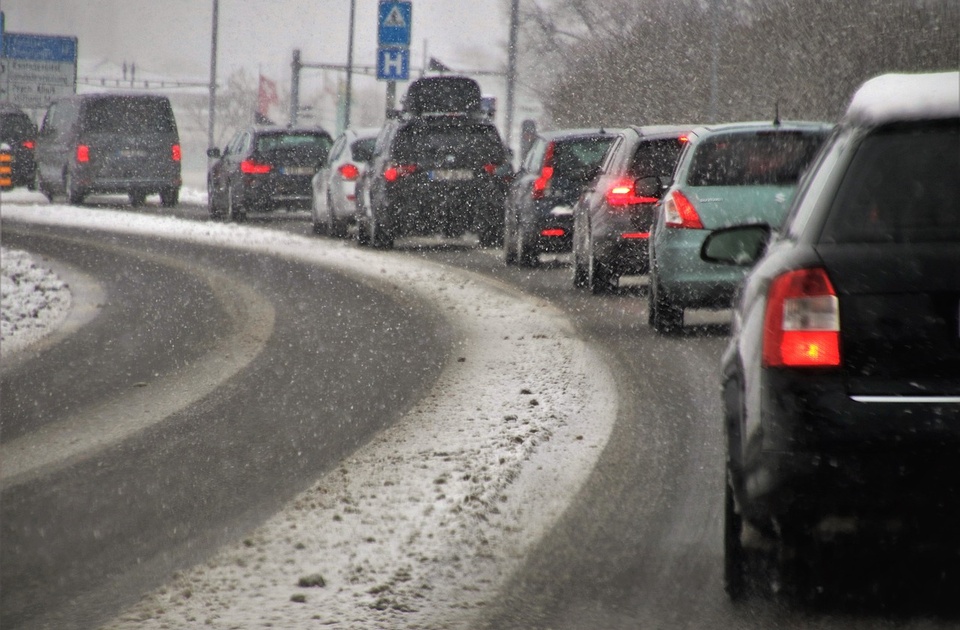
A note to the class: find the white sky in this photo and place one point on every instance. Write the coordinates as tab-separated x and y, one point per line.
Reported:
422	525
173	36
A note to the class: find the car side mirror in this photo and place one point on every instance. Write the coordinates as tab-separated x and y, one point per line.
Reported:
740	245
649	187
213	152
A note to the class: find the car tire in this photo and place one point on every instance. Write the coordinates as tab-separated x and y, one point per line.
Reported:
337	228
215	212
735	570
664	316
137	198
599	279
580	276
42	187
509	240
527	255
380	236
170	196
74	193
234	211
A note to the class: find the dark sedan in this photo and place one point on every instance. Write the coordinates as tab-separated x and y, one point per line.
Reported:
841	384
19	133
265	168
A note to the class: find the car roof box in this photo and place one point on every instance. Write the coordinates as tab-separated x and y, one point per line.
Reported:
442	95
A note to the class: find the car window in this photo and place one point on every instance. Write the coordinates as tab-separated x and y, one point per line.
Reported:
337	148
656	158
750	159
15	126
362	150
128	115
580	155
535	156
901	186
418	143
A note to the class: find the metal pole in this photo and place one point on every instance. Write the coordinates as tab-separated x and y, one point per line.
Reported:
346	117
512	67
714	53
295	66
391	95
211	119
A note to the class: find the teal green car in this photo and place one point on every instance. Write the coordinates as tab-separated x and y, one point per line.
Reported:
728	174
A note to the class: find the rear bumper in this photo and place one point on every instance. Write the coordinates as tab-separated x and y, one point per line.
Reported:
685	279
822	451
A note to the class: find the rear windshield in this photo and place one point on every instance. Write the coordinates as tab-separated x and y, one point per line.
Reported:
16	126
900	187
656	158
310	144
362	149
423	143
128	115
775	158
582	155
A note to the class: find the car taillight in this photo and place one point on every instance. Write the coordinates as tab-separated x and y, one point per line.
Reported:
623	192
635	235
553	232
396	171
348	172
491	168
542	183
28	144
83	153
175	152
252	167
802	321
678	212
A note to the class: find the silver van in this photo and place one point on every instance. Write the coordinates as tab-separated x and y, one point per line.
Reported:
109	144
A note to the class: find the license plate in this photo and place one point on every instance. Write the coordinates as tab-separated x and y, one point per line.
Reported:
298	170
132	153
451	175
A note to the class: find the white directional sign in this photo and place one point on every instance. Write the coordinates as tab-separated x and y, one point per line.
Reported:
37	69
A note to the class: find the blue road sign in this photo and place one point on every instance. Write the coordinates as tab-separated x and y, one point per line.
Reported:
39	47
393	64
394	19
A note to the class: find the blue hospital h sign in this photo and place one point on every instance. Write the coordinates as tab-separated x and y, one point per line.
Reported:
393	64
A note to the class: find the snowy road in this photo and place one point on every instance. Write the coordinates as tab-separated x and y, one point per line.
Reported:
425	522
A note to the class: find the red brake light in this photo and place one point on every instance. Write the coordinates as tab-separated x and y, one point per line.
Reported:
83	153
28	144
349	172
635	235
623	192
175	152
554	232
679	212
541	184
802	321
252	167
396	171
490	168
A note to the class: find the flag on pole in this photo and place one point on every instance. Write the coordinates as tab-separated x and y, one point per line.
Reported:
266	97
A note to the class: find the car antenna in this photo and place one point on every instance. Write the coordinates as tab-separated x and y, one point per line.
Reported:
776	113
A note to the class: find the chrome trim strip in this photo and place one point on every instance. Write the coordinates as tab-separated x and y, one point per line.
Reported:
933	400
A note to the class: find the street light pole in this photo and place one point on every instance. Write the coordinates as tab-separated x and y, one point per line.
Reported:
512	67
346	117
211	118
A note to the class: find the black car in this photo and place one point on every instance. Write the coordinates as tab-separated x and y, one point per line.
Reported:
19	133
438	167
265	168
841	383
110	143
613	220
539	208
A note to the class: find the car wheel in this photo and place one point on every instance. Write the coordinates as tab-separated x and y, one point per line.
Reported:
599	279
42	187
74	193
664	315
234	211
137	198
735	573
509	239
212	207
169	197
336	228
527	255
380	236
580	276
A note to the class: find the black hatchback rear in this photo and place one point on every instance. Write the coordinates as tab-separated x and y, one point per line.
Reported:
441	174
110	143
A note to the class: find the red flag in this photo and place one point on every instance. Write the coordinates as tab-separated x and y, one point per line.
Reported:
267	96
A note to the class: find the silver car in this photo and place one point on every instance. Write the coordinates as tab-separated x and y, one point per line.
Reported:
334	186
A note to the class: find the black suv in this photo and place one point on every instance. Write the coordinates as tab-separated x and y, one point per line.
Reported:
19	133
841	383
110	143
265	168
435	172
539	206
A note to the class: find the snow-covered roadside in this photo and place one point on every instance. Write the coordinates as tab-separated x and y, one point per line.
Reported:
422	525
34	301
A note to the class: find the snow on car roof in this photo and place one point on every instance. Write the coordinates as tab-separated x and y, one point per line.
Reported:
894	97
